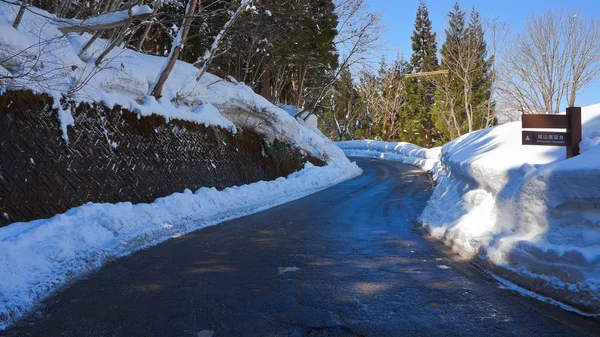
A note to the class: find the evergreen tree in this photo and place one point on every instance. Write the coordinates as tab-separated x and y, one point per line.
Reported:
419	92
463	97
481	77
449	114
283	48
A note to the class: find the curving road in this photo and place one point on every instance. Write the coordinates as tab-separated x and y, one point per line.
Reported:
347	261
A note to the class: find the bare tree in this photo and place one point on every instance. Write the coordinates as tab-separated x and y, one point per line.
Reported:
556	56
124	31
583	44
210	53
157	7
156	89
498	33
358	33
461	58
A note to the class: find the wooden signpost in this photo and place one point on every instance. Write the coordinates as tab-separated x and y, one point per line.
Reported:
571	138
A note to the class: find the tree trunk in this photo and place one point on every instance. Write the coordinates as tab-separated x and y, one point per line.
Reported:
20	14
148	27
265	84
109	6
116	41
468	111
156	90
143	37
90	42
300	102
210	54
573	96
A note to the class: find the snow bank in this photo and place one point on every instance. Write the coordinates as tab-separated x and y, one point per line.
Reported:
47	61
425	159
311	121
525	211
38	257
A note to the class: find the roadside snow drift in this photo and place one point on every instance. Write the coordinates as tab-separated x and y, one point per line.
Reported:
526	212
38	257
407	153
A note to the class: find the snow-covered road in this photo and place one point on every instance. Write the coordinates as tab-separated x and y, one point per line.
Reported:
347	261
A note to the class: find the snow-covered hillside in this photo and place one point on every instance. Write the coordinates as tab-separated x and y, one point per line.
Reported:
524	211
38	257
50	63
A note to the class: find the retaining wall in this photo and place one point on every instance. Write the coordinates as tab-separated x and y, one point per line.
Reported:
115	155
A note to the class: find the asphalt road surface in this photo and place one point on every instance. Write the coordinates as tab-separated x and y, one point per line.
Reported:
348	261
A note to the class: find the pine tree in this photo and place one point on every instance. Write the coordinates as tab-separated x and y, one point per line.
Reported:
463	97
419	93
449	106
282	47
481	77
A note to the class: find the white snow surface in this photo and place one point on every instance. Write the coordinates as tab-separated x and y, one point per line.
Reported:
38	257
407	153
50	64
525	209
312	121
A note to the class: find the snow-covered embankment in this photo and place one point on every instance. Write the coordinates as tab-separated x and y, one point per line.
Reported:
39	257
425	159
528	214
524	212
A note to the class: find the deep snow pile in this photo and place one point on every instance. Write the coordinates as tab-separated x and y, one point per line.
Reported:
525	211
310	120
38	257
49	60
426	159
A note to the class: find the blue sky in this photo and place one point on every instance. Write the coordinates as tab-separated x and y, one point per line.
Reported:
399	16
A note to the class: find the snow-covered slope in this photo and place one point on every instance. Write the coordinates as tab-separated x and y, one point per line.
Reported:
38	257
528	213
51	64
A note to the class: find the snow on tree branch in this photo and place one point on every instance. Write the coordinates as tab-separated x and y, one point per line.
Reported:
104	21
210	53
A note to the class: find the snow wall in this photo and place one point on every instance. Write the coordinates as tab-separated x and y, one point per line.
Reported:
114	155
524	212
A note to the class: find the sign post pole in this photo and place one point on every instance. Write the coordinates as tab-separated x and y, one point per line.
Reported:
574	130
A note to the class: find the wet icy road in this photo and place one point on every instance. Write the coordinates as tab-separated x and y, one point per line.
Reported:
347	261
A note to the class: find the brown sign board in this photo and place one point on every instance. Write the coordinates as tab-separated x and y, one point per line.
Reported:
547	138
544	121
571	121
